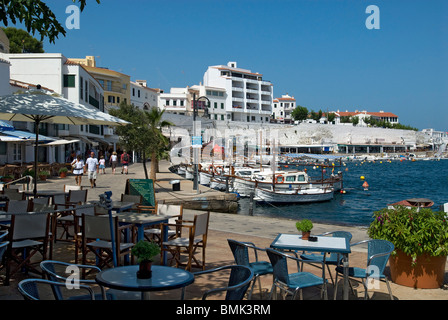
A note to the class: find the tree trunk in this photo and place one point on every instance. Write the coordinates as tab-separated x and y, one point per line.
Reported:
153	166
144	164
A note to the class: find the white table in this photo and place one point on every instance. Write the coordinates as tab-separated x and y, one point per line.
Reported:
294	242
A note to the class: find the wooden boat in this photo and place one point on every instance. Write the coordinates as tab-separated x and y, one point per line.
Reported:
294	195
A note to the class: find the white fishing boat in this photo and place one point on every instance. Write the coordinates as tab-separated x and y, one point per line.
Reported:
294	195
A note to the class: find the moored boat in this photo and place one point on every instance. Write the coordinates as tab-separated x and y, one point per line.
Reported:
294	195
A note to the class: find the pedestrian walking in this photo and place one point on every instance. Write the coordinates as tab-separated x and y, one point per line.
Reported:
102	163
125	158
92	167
113	161
78	169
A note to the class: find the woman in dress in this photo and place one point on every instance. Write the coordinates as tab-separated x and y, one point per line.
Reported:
78	169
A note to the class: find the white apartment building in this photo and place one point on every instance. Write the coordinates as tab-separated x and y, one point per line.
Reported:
72	81
248	97
175	101
283	107
142	96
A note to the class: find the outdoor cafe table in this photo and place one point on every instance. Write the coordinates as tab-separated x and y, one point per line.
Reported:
143	220
294	242
163	278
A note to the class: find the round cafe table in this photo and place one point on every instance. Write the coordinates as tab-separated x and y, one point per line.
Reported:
163	278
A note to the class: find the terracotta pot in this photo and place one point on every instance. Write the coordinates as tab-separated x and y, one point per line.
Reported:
428	273
306	235
63	174
43	178
144	270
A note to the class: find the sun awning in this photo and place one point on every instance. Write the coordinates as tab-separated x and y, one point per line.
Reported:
59	142
28	136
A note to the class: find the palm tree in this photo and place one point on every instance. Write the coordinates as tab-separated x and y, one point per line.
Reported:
158	141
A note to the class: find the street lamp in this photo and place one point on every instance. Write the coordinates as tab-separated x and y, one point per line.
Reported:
197	136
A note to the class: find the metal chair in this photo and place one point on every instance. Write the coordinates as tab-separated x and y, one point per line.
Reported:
34	289
137	199
241	255
197	239
293	283
57	271
3	245
334	258
378	252
239	281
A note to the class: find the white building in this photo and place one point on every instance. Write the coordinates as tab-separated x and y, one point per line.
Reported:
72	81
142	96
175	101
248	96
283	107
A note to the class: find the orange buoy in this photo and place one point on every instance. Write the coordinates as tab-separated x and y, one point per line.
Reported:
365	185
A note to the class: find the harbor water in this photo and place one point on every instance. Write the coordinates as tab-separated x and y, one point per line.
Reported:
389	182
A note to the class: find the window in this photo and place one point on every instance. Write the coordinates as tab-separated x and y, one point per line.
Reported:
81	86
301	178
109	85
222	117
290	178
222	105
139	93
215	104
133	92
69	81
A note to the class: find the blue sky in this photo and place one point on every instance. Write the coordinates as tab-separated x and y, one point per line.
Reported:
318	51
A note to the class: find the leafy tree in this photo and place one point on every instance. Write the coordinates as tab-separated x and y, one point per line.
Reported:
21	41
35	15
331	116
355	120
159	142
135	136
144	134
299	113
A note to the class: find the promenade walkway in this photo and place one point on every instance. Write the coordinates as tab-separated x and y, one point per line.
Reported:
223	226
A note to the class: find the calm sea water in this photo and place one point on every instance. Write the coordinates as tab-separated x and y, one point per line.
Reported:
389	182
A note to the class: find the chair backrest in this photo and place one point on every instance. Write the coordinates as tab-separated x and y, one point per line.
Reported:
59	199
201	224
239	281
279	265
378	252
340	234
83	209
17	206
77	196
240	252
29	226
13	194
30	289
170	210
131	198
97	227
3	245
68	188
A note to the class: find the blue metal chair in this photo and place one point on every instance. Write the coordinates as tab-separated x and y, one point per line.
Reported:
378	252
293	283
239	281
334	258
33	289
58	271
3	245
240	252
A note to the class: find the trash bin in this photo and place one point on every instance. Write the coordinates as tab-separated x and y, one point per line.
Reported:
175	184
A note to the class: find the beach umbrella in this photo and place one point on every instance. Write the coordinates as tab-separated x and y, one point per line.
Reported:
40	108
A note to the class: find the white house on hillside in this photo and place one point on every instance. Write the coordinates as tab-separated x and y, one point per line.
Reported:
142	96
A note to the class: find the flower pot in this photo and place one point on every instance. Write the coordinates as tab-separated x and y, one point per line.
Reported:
427	273
43	178
144	270
63	174
306	235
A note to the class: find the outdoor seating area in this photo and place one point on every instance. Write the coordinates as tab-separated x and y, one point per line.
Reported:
205	255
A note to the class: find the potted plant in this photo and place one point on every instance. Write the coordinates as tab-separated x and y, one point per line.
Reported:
43	175
145	251
420	237
63	172
305	226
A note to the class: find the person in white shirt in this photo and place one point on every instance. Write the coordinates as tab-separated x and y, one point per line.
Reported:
78	169
92	169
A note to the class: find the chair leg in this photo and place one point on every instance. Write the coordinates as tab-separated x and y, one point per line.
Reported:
389	289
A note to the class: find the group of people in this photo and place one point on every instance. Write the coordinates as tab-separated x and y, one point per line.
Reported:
92	166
